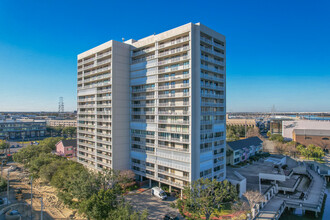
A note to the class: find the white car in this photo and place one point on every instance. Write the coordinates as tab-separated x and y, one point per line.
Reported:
158	192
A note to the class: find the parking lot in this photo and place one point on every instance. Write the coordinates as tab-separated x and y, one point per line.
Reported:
156	207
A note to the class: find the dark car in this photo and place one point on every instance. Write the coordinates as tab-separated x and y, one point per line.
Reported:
12	146
171	216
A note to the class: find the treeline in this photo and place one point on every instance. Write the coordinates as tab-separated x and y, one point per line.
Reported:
293	148
94	195
62	131
235	132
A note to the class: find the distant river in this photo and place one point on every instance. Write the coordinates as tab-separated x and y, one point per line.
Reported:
312	117
325	212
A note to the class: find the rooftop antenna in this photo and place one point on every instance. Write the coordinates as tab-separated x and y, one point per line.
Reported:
61	105
123	39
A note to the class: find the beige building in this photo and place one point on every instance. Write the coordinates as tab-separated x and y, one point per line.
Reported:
155	105
241	122
62	123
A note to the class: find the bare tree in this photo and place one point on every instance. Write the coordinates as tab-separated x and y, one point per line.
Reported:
254	197
252	132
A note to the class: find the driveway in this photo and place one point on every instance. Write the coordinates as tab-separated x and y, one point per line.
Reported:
156	208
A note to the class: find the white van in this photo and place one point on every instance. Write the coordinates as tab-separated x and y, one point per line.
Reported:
156	191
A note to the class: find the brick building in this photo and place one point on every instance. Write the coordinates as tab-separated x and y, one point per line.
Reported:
306	137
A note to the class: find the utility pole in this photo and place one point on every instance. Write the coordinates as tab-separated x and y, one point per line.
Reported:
8	187
42	207
31	196
1	167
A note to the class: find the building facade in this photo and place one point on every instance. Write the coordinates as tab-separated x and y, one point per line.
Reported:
22	129
62	123
164	101
316	137
289	126
241	150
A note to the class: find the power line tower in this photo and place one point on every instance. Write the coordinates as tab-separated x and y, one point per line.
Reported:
273	111
61	105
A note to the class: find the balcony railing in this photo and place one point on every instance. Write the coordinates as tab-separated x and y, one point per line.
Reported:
173	51
180	40
167	70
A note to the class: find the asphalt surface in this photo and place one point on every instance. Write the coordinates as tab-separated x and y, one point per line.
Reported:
156	207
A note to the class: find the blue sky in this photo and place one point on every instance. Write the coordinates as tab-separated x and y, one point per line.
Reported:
278	52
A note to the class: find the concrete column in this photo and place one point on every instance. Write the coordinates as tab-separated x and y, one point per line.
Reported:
149	183
159	184
170	188
181	193
141	178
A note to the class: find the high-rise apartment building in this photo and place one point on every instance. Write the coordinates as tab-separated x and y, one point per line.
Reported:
156	106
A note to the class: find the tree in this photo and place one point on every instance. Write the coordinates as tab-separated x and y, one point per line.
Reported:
252	132
99	205
51	141
4	146
269	133
204	196
254	197
126	179
124	211
70	131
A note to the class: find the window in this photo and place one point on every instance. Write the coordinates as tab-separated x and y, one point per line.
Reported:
308	138
326	139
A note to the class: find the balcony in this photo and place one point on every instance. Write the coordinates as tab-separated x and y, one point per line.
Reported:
167	44
144	120
144	89
173	148
174	113
171	104
100	134
173	131
173	175
173	69
104	98
108	68
103	54
173	60
103	156
104	149
173	139
216	96
173	51
208	86
143	97
169	78
213	78
211	69
105	76
104	112
104	120
143	151
143	51
103	62
170	182
144	105
174	95
173	122
177	86
143	112
212	60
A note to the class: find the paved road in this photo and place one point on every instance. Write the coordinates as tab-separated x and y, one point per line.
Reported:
156	207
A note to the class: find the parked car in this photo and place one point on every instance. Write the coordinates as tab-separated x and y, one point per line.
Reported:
12	146
171	216
158	192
